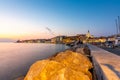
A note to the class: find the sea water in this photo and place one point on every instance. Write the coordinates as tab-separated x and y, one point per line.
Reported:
16	58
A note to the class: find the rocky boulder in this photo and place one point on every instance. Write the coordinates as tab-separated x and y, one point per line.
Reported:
66	65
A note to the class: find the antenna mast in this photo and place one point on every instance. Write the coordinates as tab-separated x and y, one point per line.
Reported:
118	25
117	29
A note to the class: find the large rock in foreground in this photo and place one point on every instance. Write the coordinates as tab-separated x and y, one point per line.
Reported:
66	65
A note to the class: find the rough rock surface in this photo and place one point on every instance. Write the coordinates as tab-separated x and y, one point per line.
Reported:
66	65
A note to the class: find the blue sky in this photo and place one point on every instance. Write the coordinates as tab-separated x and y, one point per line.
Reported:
26	19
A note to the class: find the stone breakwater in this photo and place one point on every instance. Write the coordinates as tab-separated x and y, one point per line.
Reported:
66	65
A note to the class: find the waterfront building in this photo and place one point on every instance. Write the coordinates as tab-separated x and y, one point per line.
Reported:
57	39
102	39
48	41
69	39
88	35
53	40
111	38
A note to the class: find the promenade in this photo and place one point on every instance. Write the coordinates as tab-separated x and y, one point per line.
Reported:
106	64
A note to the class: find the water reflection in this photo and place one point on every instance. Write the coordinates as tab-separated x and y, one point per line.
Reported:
16	58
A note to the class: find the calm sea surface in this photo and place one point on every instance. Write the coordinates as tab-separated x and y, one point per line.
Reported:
16	58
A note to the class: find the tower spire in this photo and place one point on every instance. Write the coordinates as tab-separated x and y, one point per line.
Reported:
88	31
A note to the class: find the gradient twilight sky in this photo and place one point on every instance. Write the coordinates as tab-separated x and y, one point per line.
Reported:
27	19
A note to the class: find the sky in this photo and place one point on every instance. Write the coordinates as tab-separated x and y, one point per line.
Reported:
37	19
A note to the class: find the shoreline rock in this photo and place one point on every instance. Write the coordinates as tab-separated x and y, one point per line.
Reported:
66	65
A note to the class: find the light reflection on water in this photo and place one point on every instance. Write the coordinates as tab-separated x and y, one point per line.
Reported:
16	58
